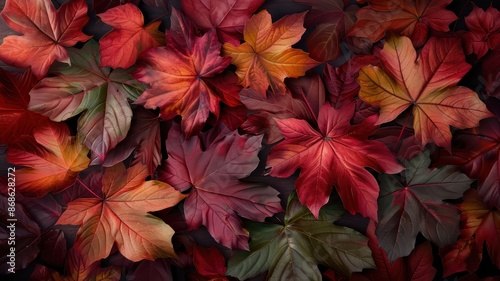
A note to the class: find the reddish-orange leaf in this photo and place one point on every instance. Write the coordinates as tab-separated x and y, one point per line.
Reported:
427	84
411	18
45	33
51	157
267	56
209	262
484	31
182	76
227	16
121	216
15	119
337	146
121	47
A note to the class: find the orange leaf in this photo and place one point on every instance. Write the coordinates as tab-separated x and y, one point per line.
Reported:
121	216
428	84
267	58
121	47
46	33
52	160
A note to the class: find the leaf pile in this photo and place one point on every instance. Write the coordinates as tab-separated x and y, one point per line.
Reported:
250	139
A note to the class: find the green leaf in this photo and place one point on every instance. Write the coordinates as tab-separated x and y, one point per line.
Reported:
101	94
292	251
413	202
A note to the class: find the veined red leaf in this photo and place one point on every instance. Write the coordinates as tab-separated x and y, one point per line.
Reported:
217	196
101	94
46	33
182	76
120	216
337	146
484	31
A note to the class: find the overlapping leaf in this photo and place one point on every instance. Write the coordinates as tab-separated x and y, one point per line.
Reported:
217	196
46	33
427	85
411	18
333	19
293	250
227	16
266	58
484	31
101	94
413	203
120	216
121	46
337	146
182	76
52	160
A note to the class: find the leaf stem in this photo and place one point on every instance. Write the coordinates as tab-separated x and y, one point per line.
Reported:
402	130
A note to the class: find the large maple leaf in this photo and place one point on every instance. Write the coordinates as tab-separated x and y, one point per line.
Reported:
76	270
411	18
227	16
51	157
267	58
120	215
121	46
217	196
480	224
293	250
427	84
15	119
143	141
484	31
182	76
413	203
45	33
100	93
333	19
337	146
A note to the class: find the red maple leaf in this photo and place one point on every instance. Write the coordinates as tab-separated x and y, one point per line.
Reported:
45	33
335	146
182	76
217	196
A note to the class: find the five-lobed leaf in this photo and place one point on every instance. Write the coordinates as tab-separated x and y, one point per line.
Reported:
51	157
100	93
46	33
217	196
121	216
267	58
413	203
427	84
292	251
337	146
484	31
129	37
